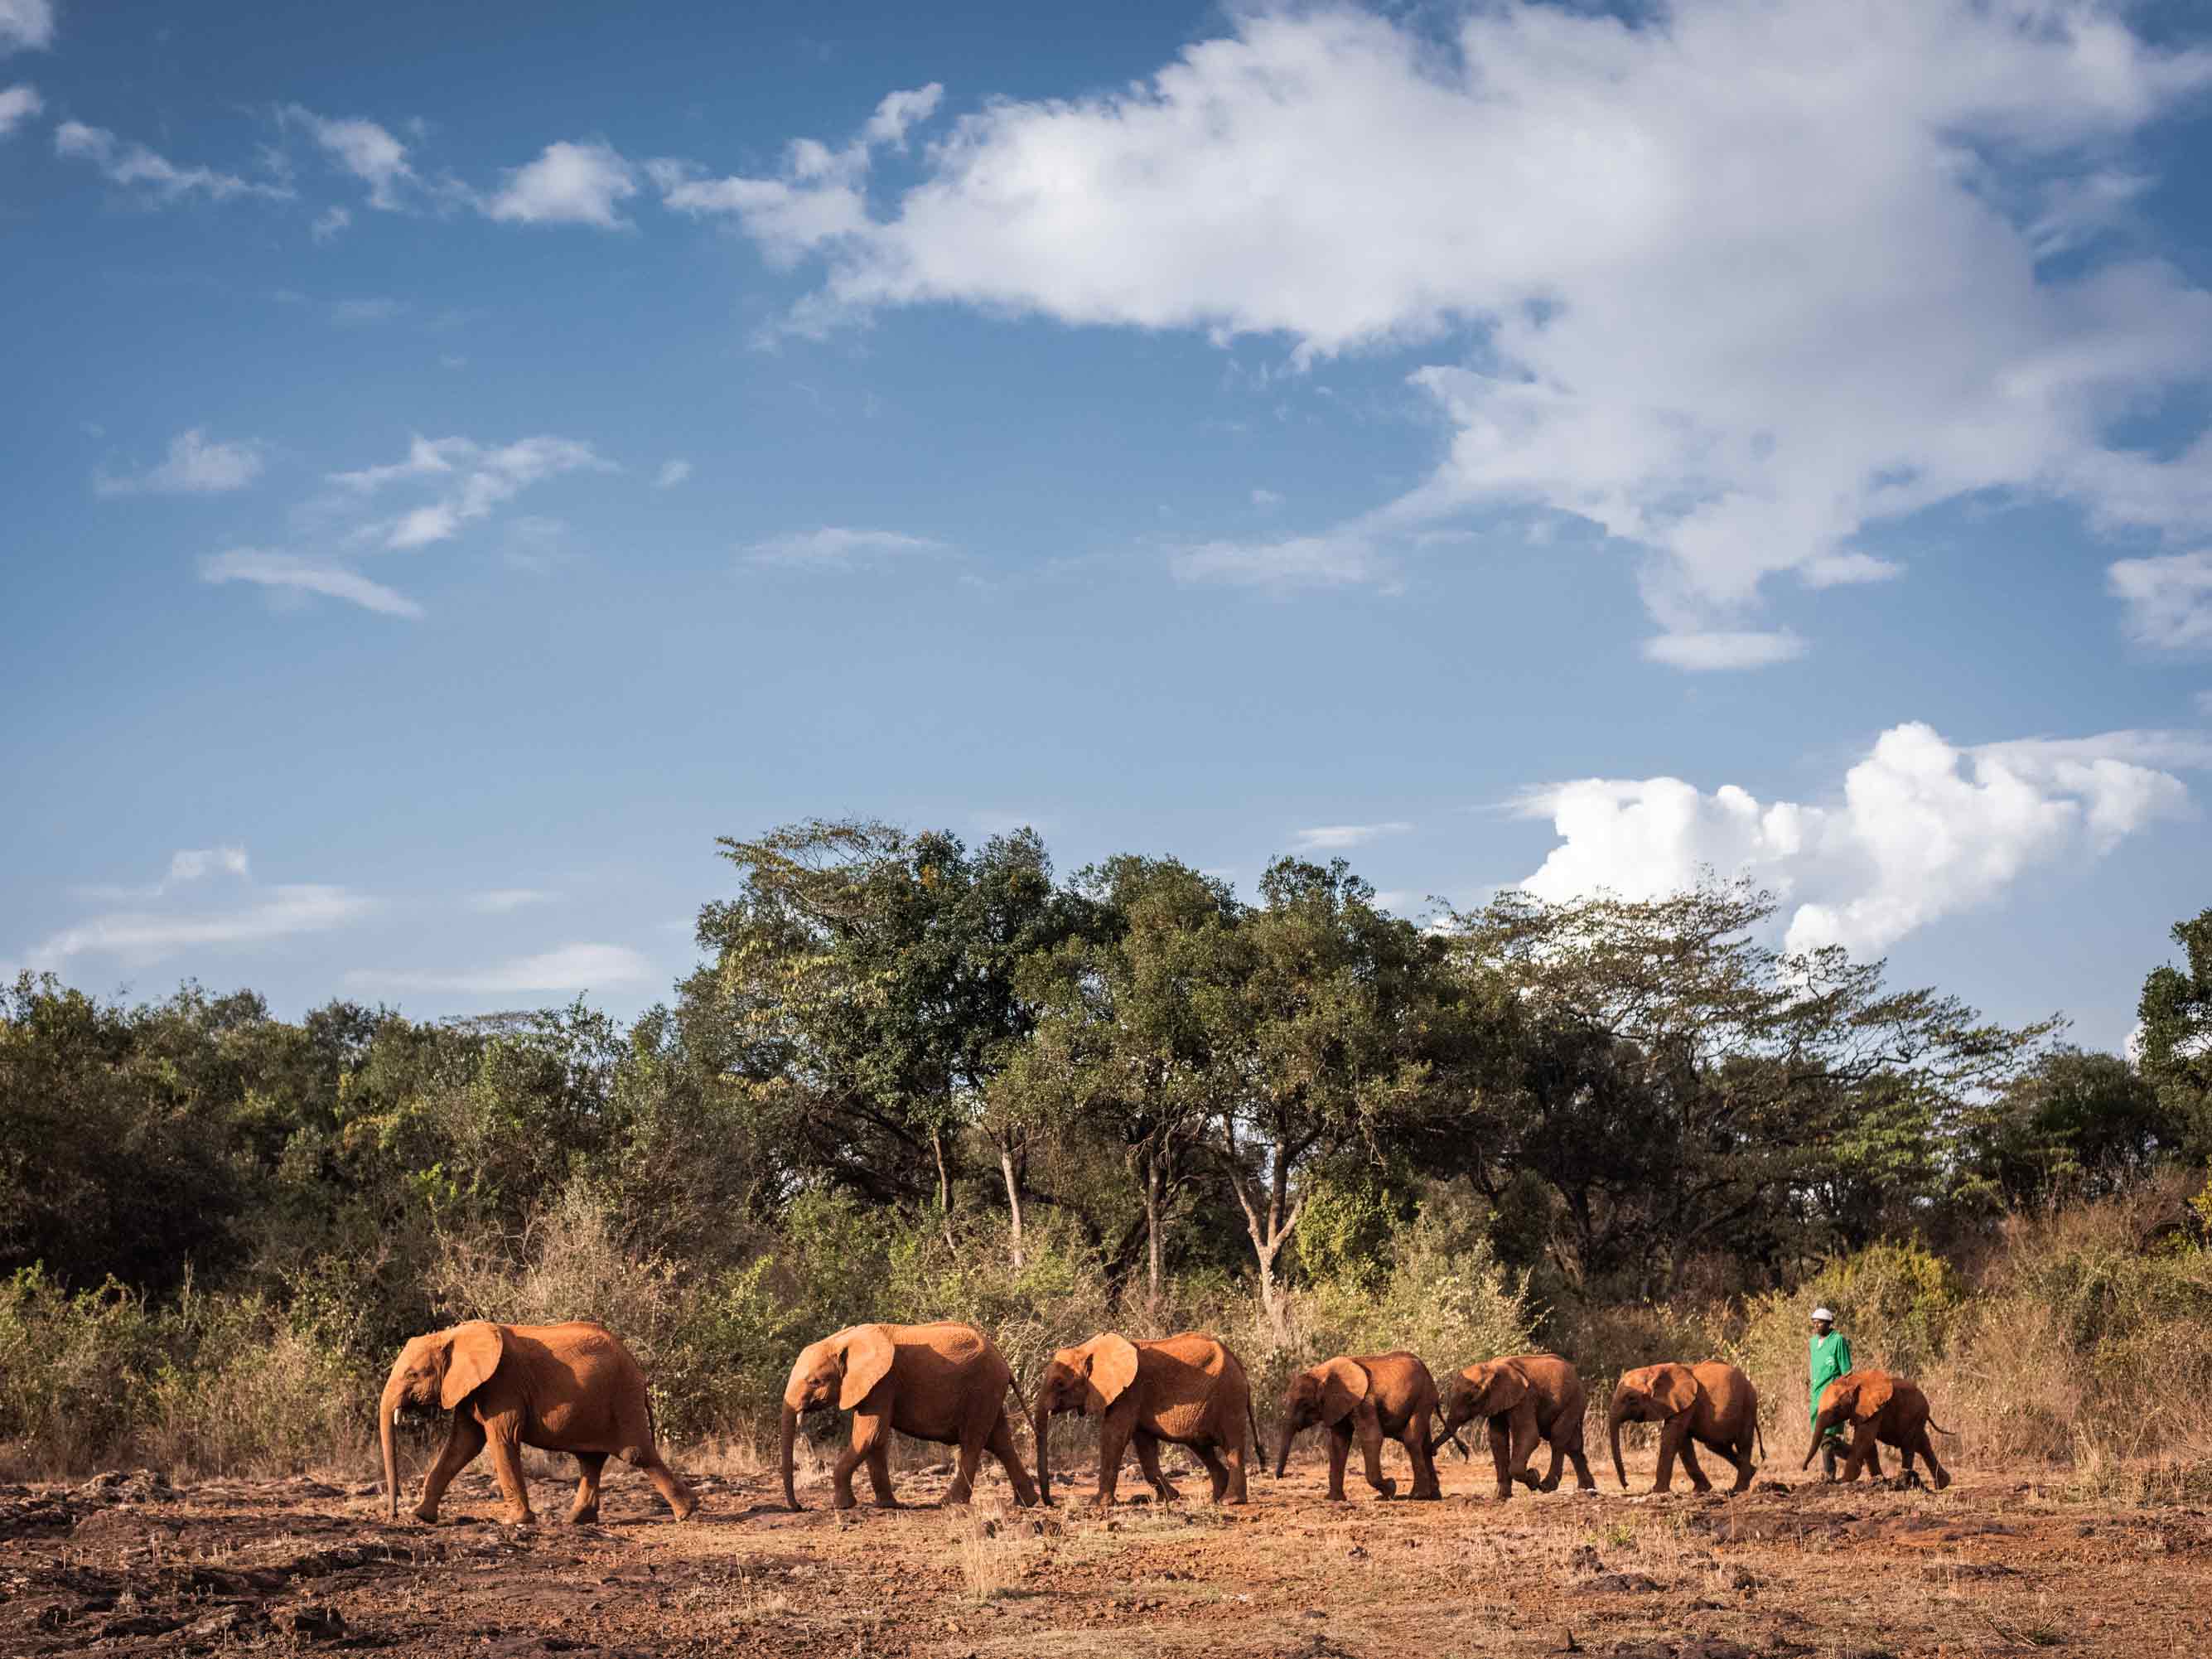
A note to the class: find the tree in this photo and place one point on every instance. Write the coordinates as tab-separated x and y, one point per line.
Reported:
1130	1011
1336	1038
1683	1086
2076	1122
2176	1012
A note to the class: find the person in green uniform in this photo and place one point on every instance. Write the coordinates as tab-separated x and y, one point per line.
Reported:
1828	1357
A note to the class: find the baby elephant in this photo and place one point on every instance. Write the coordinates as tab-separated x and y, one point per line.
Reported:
570	1388
1883	1408
1712	1404
1522	1398
1367	1398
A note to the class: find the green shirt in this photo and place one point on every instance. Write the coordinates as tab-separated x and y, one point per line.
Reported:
1828	1357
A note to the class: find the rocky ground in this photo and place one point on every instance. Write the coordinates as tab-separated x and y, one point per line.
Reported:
1998	1564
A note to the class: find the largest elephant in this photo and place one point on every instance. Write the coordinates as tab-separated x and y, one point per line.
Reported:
1190	1390
944	1382
1883	1408
1521	1398
570	1388
1709	1404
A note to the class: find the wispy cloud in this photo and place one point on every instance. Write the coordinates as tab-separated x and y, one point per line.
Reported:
1299	561
571	968
472	481
498	901
26	26
835	545
19	104
1338	837
195	465
255	914
671	474
329	222
1706	652
1267	500
153	177
2168	600
567	184
288	572
362	147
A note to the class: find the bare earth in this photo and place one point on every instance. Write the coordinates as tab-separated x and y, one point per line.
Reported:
2000	1563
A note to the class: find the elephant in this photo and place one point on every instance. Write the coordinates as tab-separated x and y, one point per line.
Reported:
1882	1407
945	1382
1189	1389
570	1388
1523	1397
1713	1404
1366	1397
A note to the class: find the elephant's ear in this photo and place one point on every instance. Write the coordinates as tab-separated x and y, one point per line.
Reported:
1674	1388
1344	1384
1113	1366
868	1353
472	1354
1875	1388
1507	1387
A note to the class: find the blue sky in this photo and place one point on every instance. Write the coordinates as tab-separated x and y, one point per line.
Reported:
458	463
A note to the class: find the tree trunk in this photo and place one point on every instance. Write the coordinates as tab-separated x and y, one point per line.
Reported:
1152	1228
1013	1204
944	1186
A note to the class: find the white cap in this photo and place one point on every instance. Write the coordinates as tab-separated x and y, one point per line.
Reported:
1824	1316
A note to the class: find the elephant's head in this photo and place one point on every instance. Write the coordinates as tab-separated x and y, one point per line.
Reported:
1652	1394
837	1371
434	1372
1486	1390
1080	1380
1322	1394
1855	1397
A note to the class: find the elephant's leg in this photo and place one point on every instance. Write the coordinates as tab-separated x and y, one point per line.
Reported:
463	1440
1217	1471
1000	1445
1501	1452
1112	1440
1368	1428
1416	1441
673	1492
1939	1476
1551	1480
1570	1442
586	1509
1233	1455
970	1459
1739	1455
504	1435
1860	1448
1691	1466
1148	1460
1340	1449
1673	1439
1522	1420
871	1445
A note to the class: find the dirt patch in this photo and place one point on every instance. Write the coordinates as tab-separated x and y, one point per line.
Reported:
131	1564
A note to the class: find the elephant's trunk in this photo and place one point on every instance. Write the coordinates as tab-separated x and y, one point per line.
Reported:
1613	1419
1041	1425
387	1410
1283	1451
790	1453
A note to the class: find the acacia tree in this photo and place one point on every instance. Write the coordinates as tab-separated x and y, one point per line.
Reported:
2176	1011
1129	1012
1343	1033
1683	1085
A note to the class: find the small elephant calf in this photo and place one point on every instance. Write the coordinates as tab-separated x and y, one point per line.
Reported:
1368	1398
1883	1408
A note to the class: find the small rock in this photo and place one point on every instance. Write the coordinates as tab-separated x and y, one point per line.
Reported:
318	1624
1621	1583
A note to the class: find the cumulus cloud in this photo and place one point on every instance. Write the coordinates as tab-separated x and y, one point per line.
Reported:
18	104
255	914
2168	600
1924	828
195	465
26	26
671	474
290	574
571	968
1741	280
834	545
359	146
1338	837
153	177
567	184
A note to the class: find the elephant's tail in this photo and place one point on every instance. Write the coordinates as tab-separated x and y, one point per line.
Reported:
1252	1418
1940	1429
1758	1432
1028	1416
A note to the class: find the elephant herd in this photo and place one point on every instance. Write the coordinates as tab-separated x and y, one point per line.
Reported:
575	1388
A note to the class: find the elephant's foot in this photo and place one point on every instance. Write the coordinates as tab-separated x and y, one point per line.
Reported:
888	1503
1505	1493
1529	1479
584	1517
687	1509
844	1500
427	1514
1386	1488
517	1518
1428	1494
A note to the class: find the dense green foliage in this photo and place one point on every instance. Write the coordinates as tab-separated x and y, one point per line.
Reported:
912	1079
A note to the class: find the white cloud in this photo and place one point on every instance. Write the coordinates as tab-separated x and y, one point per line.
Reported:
671	474
362	148
1924	828
1299	562
1267	500
19	104
2168	600
834	545
498	901
473	482
356	313
1703	652
1846	570
155	177
1337	838
1741	279
2204	704
194	466
329	222
570	968
289	573
567	184
257	915
26	25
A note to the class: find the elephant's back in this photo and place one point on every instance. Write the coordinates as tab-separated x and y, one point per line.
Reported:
1186	1377
948	1346
1403	1379
582	1344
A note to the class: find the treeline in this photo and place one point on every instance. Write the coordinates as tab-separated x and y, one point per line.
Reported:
911	1076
